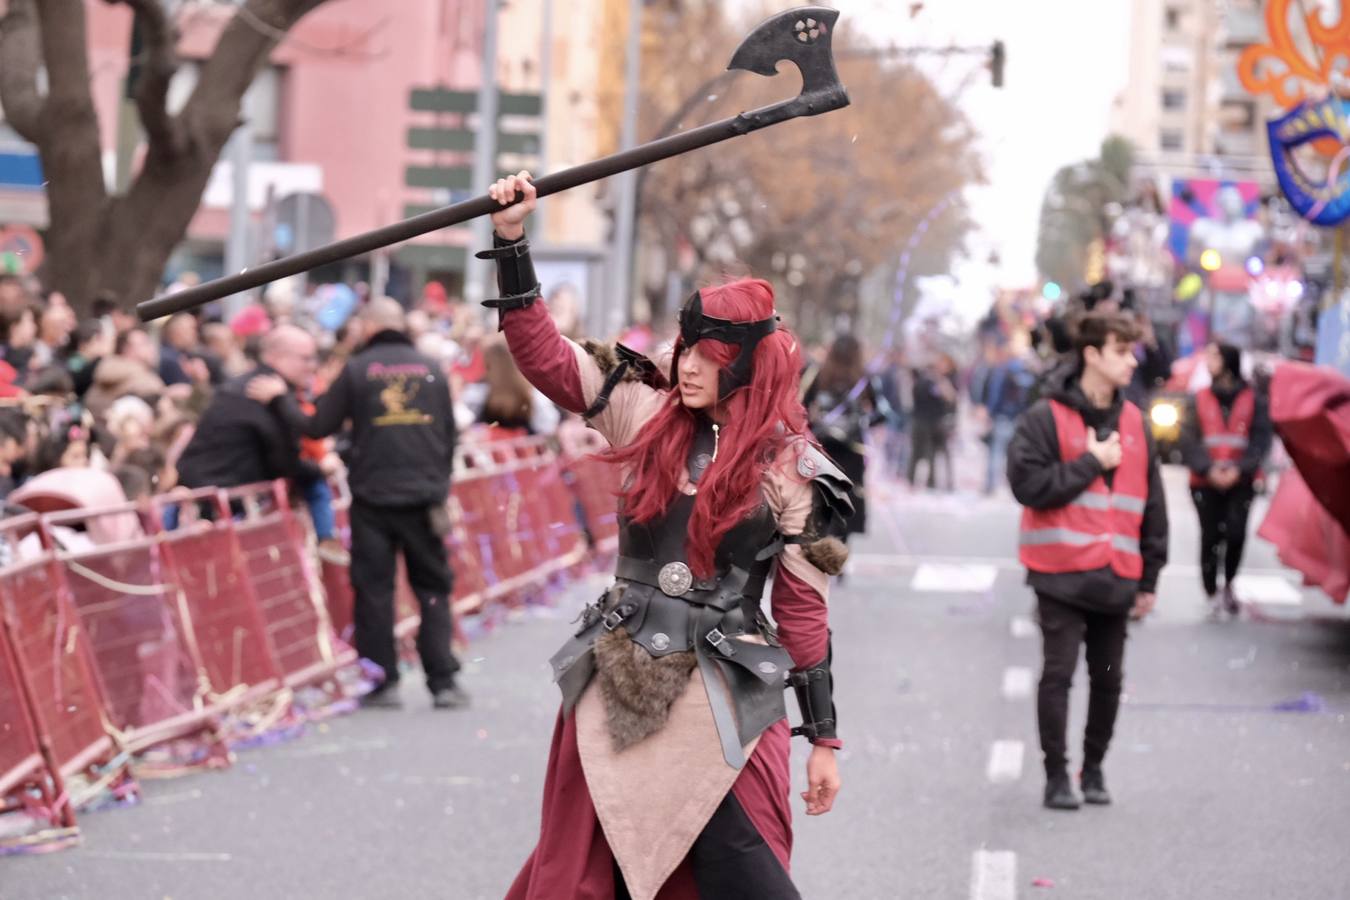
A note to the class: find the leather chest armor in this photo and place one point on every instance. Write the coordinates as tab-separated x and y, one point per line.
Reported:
663	607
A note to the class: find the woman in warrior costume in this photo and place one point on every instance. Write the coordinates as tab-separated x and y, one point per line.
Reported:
668	774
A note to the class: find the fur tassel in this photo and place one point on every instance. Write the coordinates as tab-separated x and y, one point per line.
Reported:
827	554
638	688
603	354
607	360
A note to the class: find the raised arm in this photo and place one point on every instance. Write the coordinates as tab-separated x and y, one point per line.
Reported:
570	375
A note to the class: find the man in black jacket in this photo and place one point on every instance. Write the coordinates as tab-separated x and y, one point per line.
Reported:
1094	538
403	444
241	441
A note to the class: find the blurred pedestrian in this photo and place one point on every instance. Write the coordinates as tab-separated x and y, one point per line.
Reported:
403	443
91	341
505	400
1000	395
840	404
1225	439
18	338
934	419
131	369
1093	539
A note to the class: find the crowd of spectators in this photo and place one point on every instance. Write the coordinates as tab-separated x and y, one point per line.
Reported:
99	390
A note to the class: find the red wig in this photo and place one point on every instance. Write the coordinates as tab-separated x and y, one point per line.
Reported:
760	418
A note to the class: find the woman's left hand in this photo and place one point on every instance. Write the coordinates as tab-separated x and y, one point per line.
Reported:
822	779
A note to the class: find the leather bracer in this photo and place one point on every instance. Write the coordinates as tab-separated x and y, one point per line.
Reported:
515	274
814	687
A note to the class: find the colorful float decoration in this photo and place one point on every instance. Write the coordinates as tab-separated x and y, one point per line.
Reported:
1310	143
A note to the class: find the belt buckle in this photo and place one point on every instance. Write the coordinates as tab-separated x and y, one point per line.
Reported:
675	579
617	616
720	642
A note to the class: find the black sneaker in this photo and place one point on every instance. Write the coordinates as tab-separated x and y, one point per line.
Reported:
449	698
1094	787
384	697
1059	793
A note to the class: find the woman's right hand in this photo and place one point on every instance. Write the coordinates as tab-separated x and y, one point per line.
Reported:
509	222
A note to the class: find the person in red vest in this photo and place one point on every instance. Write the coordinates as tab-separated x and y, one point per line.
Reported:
1093	538
1225	439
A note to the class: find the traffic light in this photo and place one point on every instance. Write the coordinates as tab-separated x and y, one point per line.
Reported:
997	57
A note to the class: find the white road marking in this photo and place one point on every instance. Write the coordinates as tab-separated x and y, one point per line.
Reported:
954	579
1268	590
1017	682
1005	761
993	875
1022	627
160	856
1010	563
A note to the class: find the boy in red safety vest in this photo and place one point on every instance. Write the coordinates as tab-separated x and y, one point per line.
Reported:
1225	439
1093	538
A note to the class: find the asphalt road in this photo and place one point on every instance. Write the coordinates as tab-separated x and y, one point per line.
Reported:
1231	765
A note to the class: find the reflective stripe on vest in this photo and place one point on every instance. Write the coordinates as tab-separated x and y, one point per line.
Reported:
1225	440
1101	526
1090	500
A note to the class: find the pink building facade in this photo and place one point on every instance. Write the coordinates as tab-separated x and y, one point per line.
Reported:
330	116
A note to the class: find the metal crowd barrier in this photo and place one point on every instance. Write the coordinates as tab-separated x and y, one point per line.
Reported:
163	631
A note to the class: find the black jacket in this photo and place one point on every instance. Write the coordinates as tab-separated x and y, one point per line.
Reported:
1259	438
240	441
1040	480
403	423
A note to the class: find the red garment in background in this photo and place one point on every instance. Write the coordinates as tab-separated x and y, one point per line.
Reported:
1307	539
1309	519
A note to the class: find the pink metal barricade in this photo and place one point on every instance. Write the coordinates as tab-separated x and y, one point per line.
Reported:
155	688
27	782
216	603
55	664
271	551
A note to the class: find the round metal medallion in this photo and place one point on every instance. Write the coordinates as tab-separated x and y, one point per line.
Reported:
806	467
702	461
660	640
767	667
675	579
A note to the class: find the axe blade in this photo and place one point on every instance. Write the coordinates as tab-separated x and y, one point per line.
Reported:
803	36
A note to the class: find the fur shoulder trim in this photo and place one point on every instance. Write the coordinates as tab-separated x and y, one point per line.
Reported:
827	554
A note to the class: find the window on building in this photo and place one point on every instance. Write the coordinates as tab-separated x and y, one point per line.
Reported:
1173	98
1172	18
1171	139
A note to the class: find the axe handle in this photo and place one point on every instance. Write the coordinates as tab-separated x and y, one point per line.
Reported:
457	213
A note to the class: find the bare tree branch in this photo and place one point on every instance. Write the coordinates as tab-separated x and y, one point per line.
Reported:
161	62
20	60
212	112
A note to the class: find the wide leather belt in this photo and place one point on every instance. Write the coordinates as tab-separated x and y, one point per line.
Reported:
674	579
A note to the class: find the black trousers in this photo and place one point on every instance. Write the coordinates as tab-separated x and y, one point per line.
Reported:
378	534
929	441
1064	629
1223	529
731	861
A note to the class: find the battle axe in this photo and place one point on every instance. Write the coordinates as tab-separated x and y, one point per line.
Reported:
802	36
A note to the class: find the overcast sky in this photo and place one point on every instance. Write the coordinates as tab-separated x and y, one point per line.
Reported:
1066	62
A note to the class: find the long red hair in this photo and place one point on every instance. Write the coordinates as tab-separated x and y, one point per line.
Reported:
761	417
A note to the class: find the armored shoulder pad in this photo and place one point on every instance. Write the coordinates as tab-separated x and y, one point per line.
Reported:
833	489
619	364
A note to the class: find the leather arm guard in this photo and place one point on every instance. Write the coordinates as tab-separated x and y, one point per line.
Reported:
515	274
815	697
